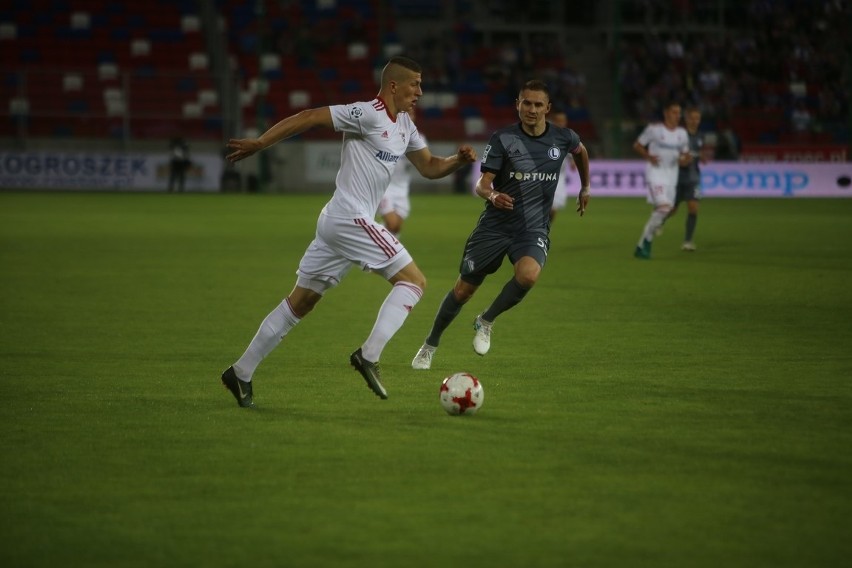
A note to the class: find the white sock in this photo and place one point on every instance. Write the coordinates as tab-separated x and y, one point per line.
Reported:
658	217
392	314
277	324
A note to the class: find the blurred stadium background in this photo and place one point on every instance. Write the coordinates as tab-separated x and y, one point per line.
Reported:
771	77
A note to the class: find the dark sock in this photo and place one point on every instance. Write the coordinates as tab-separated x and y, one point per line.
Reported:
691	221
448	311
511	294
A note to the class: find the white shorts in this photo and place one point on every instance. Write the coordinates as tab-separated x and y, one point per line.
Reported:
340	243
395	202
560	197
661	194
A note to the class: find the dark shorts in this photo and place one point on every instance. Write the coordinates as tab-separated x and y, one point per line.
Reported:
687	192
485	250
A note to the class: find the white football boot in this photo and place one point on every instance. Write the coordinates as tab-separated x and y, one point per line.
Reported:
482	339
423	360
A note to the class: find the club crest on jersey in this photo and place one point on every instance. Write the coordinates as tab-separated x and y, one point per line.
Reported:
554	153
356	112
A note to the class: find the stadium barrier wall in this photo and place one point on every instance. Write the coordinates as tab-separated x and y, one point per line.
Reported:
104	171
626	178
299	167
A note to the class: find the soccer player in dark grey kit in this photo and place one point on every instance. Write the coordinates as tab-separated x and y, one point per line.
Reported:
689	177
520	171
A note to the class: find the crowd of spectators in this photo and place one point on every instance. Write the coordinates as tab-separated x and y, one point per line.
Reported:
457	60
784	58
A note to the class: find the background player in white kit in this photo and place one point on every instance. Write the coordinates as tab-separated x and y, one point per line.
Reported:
395	206
376	134
566	186
665	147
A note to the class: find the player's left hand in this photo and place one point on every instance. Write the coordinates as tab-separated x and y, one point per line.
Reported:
467	153
582	201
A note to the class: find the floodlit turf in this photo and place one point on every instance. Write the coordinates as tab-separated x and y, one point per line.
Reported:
694	410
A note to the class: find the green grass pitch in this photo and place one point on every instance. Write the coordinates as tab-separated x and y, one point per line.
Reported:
694	410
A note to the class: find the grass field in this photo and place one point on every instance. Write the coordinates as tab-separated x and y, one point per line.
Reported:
694	410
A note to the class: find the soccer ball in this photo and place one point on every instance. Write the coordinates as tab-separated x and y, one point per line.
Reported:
461	394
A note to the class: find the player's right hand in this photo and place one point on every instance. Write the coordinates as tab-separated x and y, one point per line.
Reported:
502	201
467	153
242	148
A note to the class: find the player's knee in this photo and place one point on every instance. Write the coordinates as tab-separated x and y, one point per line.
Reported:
416	279
526	279
527	271
527	276
463	291
303	303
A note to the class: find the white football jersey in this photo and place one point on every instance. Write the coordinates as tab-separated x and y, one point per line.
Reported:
667	145
373	143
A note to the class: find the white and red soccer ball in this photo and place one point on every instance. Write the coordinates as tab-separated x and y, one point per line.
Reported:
461	393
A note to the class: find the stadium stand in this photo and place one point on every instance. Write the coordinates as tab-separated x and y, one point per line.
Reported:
87	68
327	52
776	75
161	68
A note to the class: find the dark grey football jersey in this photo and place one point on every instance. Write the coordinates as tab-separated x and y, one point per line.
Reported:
691	174
526	168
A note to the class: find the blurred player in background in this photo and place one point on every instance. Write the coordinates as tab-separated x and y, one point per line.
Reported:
396	205
520	169
665	147
178	164
689	177
375	134
563	186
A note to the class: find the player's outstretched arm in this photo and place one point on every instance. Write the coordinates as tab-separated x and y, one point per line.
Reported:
434	167
285	128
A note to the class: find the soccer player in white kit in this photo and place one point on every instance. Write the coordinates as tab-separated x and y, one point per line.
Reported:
375	135
665	147
566	186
